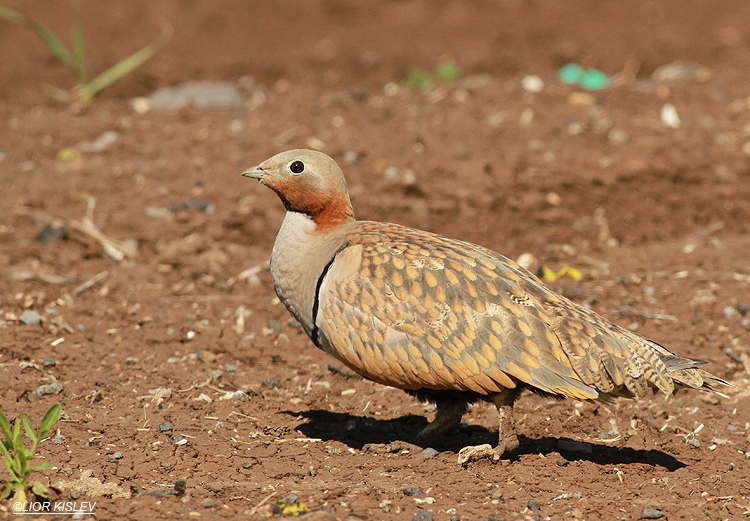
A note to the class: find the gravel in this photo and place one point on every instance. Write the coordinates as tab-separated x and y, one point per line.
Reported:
30	316
53	388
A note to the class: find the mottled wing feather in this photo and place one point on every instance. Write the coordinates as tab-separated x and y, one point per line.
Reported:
414	310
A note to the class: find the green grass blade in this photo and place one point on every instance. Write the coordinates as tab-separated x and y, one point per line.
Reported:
5	424
4	449
17	438
54	44
42	466
79	46
50	418
124	67
29	429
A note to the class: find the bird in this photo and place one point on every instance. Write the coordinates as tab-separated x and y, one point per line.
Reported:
448	321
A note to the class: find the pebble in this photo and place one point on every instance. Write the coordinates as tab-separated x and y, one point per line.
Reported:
533	504
275	325
669	116
51	232
532	83
215	374
413	491
100	144
114	457
422	515
199	204
53	388
230	368
210	503
694	443
291	498
429	452
49	362
236	395
272	383
30	316
165	427
730	311
201	94
651	513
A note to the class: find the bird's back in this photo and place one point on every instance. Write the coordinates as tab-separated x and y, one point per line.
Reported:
414	310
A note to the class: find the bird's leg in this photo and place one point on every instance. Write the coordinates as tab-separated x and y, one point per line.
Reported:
507	446
448	416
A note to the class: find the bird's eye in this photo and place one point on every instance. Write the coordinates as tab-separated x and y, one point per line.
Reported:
297	167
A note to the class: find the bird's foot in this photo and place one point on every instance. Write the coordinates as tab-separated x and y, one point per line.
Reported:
508	445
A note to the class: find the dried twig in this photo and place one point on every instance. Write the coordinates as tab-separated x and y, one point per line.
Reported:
256	507
93	281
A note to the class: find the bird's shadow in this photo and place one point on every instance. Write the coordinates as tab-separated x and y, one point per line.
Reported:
359	431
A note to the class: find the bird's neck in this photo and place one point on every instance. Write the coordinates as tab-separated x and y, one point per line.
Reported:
327	210
302	250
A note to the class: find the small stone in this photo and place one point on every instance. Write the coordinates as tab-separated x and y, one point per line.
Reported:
210	503
30	316
730	311
131	360
230	368
694	443
429	452
216	374
53	388
413	491
50	233
496	493
199	204
114	457
651	513
496	517
272	383
179	487
275	325
454	517
165	427
201	94
533	504
291	498
562	463
532	83
49	362
422	515
669	116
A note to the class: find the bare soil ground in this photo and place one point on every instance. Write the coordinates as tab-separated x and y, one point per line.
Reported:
655	217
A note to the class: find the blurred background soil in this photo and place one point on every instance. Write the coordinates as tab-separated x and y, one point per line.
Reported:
448	116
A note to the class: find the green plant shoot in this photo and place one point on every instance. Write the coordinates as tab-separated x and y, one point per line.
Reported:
17	458
75	59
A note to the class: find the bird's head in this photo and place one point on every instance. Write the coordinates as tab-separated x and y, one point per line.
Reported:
307	182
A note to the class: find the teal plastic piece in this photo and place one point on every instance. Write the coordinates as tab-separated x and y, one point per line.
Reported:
570	74
594	79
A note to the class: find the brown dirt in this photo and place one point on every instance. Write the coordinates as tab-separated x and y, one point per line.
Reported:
514	171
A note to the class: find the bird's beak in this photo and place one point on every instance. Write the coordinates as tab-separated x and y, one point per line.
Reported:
255	172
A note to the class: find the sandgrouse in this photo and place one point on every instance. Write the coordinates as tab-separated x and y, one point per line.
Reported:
447	321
